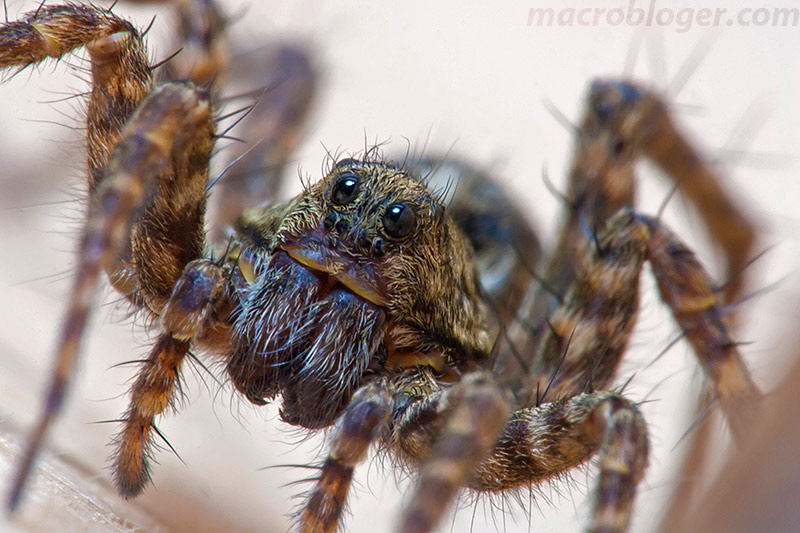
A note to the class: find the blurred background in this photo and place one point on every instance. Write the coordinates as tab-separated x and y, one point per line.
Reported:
466	78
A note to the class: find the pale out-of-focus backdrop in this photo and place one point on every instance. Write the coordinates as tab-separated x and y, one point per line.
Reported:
465	77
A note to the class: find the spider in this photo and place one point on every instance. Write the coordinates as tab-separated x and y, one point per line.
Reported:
418	372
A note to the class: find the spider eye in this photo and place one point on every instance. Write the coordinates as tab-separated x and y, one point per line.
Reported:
345	189
398	221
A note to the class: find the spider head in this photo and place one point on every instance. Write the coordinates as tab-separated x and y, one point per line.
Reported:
379	230
367	245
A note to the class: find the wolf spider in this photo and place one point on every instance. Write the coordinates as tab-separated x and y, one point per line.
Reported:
373	310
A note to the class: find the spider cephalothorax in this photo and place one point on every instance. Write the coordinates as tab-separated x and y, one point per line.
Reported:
379	310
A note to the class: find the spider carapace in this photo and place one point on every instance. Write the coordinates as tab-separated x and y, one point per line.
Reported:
377	308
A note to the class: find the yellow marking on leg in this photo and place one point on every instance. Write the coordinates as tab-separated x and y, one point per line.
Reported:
614	465
697	304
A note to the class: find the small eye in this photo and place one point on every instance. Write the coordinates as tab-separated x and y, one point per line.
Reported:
345	189
399	220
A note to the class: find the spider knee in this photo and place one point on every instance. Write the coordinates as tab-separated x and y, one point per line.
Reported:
195	298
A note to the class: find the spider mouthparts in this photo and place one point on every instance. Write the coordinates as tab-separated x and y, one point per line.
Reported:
359	277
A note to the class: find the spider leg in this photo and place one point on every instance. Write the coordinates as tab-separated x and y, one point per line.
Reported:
468	418
362	422
686	288
164	147
589	332
622	123
152	393
173	127
545	441
203	56
757	487
280	81
143	154
194	305
476	443
121	75
638	121
727	224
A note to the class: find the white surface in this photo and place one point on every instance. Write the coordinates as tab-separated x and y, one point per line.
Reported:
462	76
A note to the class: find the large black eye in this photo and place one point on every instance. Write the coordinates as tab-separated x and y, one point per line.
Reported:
399	220
345	189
